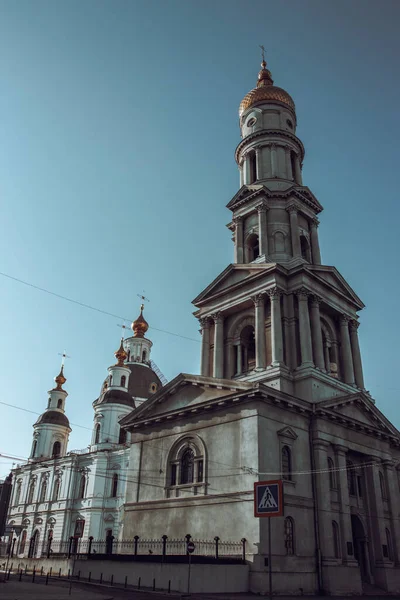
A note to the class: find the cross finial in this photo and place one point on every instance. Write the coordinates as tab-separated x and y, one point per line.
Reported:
143	297
263	53
123	327
64	356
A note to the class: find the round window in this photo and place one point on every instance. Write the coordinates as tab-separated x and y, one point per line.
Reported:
153	388
289	123
251	122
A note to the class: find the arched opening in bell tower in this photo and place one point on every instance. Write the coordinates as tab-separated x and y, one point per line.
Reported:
245	351
252	168
305	248
252	247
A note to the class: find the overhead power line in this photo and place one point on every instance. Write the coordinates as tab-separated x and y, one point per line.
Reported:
89	306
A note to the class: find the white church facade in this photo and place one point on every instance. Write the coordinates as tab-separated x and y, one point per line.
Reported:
280	396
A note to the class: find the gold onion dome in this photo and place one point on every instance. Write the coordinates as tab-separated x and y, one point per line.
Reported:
140	326
265	91
60	379
120	354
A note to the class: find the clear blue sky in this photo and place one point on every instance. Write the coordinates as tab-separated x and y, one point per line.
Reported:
118	126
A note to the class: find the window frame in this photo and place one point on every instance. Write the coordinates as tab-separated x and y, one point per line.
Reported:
337	551
289	536
332	473
174	484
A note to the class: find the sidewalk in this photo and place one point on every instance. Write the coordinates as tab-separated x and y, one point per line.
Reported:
16	590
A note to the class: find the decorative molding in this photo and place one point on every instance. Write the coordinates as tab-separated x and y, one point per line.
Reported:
263	132
314	223
217	317
258	298
274	293
287	432
315	299
262	207
354	324
204	322
344	320
292	208
302	293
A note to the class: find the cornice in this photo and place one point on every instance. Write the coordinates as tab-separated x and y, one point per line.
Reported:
278	132
277	194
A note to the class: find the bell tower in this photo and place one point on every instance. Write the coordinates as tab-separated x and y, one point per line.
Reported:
276	314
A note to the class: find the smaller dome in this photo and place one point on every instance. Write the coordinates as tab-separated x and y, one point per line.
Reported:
121	355
60	379
53	417
265	91
140	326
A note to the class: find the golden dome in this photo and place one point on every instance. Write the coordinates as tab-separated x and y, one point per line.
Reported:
140	326
121	355
265	92
60	379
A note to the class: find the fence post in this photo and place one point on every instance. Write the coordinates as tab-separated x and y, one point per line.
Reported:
69	571
169	586
112	579
136	538
33	574
51	570
243	540
12	547
47	578
90	545
79	575
41	572
90	576
216	540
164	545
59	572
154	585
101	577
26	569
70	546
20	575
138	583
126	581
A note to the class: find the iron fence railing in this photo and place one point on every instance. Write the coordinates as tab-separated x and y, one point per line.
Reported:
137	546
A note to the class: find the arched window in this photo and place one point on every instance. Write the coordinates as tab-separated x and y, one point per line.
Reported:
82	487
187	466
59	403
293	164
114	486
336	539
22	543
56	489
122	436
332	474
34	446
144	355
383	486
305	248
123	380
289	535
97	433
286	463
389	545
246	354
56	449
31	492
253	247
18	492
43	491
351	480
252	167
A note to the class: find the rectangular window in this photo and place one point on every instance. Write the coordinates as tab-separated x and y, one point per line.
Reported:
200	471
173	474
79	527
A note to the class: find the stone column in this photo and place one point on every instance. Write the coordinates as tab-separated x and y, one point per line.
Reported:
315	251
356	354
344	501
294	231
267	161
288	162
375	506
347	359
218	345
241	175
274	161
205	347
304	329
246	168
261	355
393	494
276	327
258	162
298	177
230	364
316	333
324	497
238	222
262	229
239	359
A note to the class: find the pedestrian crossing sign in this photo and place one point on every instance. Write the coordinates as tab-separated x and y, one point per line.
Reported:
268	498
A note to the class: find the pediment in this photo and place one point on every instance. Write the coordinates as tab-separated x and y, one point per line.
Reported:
246	193
185	392
287	432
251	192
331	277
232	276
361	409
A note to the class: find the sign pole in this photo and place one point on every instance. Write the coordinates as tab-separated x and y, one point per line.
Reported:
269	557
188	591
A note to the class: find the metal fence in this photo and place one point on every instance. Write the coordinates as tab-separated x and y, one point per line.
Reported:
163	547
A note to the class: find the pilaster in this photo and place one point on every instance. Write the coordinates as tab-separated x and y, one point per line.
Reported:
261	359
344	501
393	495
205	347
347	359
263	229
239	254
356	354
315	251
276	326
316	332
218	370
304	328
294	231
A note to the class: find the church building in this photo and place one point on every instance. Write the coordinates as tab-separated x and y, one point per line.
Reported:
280	395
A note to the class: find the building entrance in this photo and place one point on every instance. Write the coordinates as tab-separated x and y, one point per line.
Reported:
361	550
